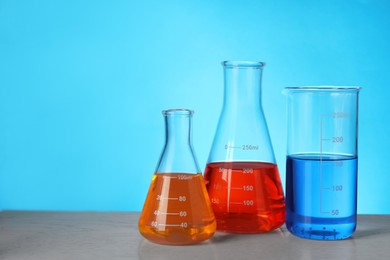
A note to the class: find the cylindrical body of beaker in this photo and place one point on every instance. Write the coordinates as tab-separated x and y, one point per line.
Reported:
241	175
177	208
321	168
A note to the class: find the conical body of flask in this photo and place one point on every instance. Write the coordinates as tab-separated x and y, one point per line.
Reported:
241	175
177	208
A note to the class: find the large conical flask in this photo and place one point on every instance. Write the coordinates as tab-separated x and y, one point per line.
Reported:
177	208
241	175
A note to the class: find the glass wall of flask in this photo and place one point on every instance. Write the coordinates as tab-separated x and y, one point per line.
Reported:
241	174
177	208
321	169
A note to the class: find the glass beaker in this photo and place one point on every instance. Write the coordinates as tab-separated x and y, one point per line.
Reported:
241	175
321	169
177	208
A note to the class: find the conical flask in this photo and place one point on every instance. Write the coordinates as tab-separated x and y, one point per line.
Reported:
177	208
241	174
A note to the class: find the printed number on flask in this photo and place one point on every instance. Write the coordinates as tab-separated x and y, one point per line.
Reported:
248	188
249	202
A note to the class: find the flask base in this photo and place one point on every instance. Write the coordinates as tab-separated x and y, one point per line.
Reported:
177	210
249	223
178	236
246	197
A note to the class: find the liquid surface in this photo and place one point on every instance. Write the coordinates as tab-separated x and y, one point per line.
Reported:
321	196
177	210
246	197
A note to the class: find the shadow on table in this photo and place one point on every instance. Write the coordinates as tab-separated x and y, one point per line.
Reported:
148	250
370	233
220	246
221	237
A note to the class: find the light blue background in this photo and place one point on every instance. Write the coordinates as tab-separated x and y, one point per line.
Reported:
82	84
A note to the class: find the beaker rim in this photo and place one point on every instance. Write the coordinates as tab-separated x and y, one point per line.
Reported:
178	111
243	64
324	88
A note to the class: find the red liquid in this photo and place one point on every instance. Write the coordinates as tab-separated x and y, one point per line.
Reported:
246	197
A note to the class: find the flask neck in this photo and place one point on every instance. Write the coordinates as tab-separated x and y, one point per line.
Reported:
178	155
178	130
242	87
242	133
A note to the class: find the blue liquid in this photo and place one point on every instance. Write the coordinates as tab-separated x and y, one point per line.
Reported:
321	196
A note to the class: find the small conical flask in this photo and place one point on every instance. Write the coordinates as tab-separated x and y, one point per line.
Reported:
177	208
241	174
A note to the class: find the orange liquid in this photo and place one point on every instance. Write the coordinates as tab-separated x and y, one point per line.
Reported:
246	197
177	210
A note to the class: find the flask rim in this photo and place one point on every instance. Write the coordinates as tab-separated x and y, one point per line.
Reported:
243	64
323	88
178	111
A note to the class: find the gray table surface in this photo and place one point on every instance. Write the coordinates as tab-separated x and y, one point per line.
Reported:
113	235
